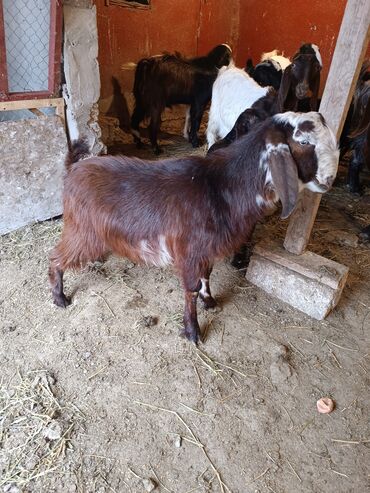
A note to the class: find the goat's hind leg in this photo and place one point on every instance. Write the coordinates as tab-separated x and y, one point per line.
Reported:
155	123
137	117
56	284
71	254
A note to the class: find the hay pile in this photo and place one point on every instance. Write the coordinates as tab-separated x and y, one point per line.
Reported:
35	430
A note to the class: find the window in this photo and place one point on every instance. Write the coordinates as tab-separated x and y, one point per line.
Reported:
30	48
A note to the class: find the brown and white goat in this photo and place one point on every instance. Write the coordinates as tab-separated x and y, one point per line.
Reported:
189	211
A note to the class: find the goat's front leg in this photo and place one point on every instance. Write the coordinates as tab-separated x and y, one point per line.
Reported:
241	258
196	113
205	292
354	169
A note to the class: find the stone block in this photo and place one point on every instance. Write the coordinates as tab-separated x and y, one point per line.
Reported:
31	172
308	282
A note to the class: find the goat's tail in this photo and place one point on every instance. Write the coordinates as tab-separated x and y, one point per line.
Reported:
79	149
141	74
270	54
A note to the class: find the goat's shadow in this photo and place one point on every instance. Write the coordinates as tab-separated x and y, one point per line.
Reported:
119	107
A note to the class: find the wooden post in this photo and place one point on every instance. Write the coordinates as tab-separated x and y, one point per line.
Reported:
348	56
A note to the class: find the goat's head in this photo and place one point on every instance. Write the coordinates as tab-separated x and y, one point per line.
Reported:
301	152
220	55
301	79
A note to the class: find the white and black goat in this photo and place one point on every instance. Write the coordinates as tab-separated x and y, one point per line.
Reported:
192	210
269	71
162	81
234	91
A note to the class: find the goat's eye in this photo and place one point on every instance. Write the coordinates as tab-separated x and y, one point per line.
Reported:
304	142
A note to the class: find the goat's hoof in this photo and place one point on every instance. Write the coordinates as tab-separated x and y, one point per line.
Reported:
240	262
356	190
157	150
209	303
364	235
62	301
190	335
139	144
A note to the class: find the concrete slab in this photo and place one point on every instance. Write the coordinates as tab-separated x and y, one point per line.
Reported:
31	171
308	282
82	89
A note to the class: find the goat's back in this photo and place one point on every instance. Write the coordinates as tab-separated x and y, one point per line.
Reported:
233	92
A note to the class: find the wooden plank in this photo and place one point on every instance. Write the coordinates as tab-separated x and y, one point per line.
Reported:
32	103
347	59
37	112
55	47
3	66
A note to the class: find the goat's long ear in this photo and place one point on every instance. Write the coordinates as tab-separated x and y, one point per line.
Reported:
285	177
315	93
284	89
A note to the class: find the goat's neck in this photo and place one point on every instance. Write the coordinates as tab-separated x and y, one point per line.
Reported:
242	183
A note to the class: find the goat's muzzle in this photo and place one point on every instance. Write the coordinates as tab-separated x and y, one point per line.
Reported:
303	91
324	187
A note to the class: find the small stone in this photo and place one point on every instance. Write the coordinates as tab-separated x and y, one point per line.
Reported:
10	488
148	321
87	355
281	351
342	237
280	371
149	485
325	405
53	431
178	441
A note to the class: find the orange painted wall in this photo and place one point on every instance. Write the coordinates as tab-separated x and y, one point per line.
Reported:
195	26
128	34
286	24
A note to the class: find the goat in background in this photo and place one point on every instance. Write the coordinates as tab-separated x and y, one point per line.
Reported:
162	81
234	91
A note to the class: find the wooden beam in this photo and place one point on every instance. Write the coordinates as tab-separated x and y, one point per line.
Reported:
345	67
32	103
3	65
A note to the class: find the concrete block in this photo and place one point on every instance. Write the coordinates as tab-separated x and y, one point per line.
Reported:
308	282
31	172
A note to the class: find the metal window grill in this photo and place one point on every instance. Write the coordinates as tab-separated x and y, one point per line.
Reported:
27	39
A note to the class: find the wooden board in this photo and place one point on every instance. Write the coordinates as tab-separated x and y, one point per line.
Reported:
34	104
348	56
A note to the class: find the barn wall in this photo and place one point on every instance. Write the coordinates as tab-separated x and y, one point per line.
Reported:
128	34
195	26
286	25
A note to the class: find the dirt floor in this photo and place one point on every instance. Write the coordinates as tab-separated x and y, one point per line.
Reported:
106	397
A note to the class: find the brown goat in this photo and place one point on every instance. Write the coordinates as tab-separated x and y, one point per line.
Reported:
189	211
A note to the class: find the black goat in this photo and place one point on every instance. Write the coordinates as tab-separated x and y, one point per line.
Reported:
269	71
356	132
300	84
163	81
